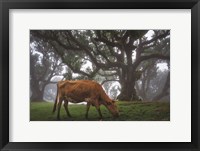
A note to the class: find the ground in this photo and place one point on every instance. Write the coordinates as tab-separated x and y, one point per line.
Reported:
129	111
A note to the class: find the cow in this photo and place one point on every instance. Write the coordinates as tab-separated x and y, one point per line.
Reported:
87	91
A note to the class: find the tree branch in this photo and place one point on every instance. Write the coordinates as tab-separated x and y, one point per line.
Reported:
158	56
81	46
142	58
155	38
69	65
93	58
77	70
54	38
107	75
87	51
107	42
102	54
108	81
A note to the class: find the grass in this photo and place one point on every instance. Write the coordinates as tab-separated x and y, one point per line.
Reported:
129	111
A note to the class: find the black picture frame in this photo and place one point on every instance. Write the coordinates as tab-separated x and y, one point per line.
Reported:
5	5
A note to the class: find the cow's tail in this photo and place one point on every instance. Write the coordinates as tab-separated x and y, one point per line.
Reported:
56	101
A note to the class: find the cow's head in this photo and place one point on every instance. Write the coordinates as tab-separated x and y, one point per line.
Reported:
112	107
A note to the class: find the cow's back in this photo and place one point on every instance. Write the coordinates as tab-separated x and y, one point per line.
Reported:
80	90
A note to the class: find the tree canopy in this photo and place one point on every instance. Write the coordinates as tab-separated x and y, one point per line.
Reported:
124	56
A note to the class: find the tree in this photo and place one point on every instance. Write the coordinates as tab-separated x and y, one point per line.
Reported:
149	72
154	82
44	64
113	53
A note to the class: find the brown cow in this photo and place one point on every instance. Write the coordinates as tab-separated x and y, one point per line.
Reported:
83	91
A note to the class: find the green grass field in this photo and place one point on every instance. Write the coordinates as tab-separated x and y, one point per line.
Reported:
129	111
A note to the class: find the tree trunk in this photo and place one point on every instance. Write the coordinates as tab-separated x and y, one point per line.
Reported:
37	94
128	91
128	94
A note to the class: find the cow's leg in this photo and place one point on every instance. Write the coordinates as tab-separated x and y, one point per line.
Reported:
59	106
98	109
66	108
87	110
